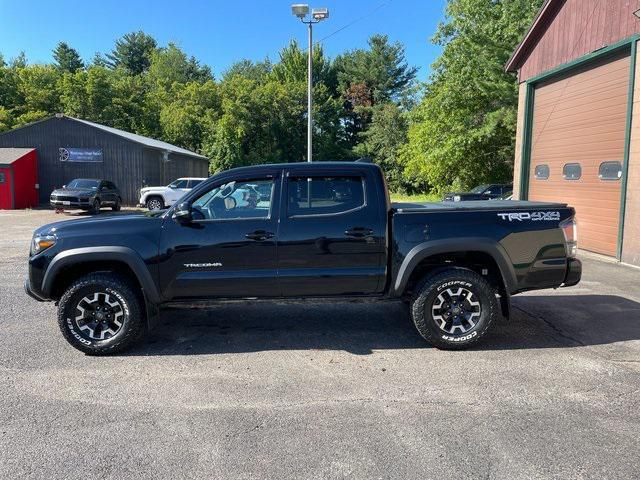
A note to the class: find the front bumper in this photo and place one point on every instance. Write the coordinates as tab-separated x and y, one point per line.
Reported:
68	204
29	291
574	272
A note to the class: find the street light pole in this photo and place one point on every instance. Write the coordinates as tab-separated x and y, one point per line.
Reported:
301	11
310	95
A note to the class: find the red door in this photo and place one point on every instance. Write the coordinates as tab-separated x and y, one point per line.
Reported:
5	189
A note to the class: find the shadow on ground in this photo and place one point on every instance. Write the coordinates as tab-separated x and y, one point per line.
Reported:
360	328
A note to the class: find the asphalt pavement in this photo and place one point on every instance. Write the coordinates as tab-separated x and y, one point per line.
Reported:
317	390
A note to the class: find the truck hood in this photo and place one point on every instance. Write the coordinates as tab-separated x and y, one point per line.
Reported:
100	224
153	189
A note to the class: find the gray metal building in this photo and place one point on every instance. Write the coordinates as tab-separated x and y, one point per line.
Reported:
69	148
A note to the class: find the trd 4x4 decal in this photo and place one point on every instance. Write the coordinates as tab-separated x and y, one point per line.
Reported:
533	216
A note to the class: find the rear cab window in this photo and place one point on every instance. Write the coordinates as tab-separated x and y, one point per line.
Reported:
325	195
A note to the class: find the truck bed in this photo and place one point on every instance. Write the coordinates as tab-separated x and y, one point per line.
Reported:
408	207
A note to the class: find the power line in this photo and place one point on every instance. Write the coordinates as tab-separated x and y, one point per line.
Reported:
353	22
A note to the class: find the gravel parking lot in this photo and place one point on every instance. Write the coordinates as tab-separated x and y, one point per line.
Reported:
324	390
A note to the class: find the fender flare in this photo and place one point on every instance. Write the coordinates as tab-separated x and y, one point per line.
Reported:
466	244
115	253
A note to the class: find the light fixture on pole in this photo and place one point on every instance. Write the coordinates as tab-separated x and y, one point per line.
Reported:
301	10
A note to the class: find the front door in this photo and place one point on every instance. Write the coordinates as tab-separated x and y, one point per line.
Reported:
331	238
229	247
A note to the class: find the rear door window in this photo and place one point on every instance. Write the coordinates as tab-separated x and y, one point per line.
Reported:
324	195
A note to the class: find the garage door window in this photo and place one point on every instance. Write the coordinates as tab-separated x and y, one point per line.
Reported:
572	171
542	172
610	171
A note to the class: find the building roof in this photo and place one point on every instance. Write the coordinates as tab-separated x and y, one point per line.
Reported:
133	137
10	155
146	141
539	25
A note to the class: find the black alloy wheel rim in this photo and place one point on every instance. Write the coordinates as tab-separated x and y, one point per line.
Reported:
99	316
456	310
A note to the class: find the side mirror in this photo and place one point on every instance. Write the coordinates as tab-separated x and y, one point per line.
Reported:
182	212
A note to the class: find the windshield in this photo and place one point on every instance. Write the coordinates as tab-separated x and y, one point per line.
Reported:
80	183
179	183
479	189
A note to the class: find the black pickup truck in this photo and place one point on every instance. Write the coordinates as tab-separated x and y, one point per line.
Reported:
320	229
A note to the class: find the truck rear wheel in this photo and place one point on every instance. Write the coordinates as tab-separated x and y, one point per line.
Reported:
101	313
454	308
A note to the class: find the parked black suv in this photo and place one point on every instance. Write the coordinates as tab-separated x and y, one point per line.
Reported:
481	192
87	194
322	229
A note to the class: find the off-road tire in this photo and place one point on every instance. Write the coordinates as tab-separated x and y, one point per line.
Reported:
95	207
426	295
117	206
151	203
133	321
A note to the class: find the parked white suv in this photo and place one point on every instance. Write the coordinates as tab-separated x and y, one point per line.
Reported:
157	198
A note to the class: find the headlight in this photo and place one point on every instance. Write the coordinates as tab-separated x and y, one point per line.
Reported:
456	198
42	242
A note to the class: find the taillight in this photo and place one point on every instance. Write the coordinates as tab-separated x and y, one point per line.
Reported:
570	230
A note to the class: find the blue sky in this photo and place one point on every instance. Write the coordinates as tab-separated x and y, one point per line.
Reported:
216	32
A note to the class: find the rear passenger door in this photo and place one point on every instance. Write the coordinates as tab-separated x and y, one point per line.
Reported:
331	236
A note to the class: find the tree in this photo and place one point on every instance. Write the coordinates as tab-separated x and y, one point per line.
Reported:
370	77
171	65
133	52
6	119
37	87
20	61
381	142
382	68
67	59
257	71
191	115
292	66
463	131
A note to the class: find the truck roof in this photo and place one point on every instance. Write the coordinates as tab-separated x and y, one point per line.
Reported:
307	166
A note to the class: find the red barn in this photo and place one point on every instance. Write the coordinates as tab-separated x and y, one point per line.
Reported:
18	178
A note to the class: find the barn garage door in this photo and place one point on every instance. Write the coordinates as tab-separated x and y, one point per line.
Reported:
577	148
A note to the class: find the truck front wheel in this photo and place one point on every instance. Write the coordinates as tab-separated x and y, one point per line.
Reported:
155	203
454	308
100	314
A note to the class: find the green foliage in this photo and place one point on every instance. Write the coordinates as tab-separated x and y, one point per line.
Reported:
67	59
381	68
257	71
462	133
381	141
370	77
133	52
171	65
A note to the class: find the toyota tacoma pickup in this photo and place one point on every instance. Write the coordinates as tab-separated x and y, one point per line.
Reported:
325	230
